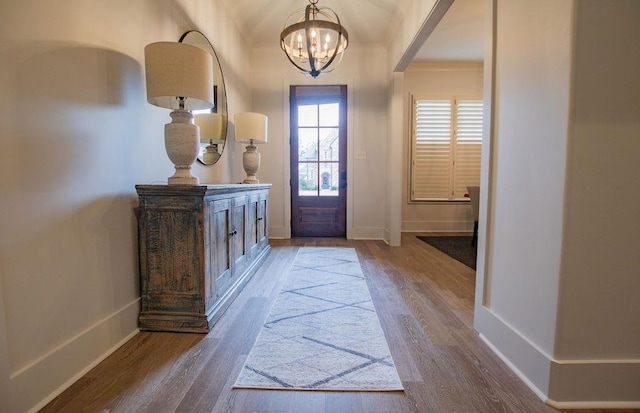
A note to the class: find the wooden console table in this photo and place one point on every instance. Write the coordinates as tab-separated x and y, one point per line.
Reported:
199	245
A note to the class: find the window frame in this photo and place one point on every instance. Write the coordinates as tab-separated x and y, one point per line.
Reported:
453	143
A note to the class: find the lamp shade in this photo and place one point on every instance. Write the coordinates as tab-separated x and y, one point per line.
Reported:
251	127
178	70
210	125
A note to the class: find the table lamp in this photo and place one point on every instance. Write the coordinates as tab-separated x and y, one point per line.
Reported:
180	77
251	128
211	130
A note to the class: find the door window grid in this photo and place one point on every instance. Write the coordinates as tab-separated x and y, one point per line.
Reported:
318	150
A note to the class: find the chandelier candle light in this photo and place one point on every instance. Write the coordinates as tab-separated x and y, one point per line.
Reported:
180	77
314	40
251	128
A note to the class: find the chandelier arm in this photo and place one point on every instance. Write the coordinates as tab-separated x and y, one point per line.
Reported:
283	44
284	49
311	8
302	69
335	50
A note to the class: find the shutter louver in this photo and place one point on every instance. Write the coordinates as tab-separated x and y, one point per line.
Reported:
468	146
446	148
432	150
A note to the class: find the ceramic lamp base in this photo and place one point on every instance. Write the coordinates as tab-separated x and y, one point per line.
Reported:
251	164
182	142
175	179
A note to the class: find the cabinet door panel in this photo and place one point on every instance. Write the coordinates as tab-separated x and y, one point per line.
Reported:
252	224
170	242
262	219
221	253
239	238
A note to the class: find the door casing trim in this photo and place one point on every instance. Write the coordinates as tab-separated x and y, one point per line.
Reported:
286	175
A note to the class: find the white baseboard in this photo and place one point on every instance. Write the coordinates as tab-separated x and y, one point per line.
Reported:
515	369
437	226
386	236
595	384
39	382
596	405
563	384
366	233
355	233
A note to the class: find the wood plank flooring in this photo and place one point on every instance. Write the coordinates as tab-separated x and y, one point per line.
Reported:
425	303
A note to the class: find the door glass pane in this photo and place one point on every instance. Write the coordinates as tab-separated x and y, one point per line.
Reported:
329	179
307	144
329	144
329	114
308	179
308	115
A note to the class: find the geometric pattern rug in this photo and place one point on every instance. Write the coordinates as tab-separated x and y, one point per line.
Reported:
322	332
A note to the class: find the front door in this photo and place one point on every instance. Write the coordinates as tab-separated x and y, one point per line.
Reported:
318	161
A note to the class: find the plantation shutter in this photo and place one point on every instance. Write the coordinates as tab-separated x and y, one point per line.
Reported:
468	146
431	149
446	148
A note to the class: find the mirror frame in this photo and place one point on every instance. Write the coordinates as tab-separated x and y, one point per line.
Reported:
196	38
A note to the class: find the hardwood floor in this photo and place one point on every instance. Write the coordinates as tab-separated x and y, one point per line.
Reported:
425	303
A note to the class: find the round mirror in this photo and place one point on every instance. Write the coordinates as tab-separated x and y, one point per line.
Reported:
212	123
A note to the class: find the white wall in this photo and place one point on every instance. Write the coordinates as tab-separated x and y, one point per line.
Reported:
528	160
604	167
558	288
598	320
367	83
435	79
532	106
77	136
395	145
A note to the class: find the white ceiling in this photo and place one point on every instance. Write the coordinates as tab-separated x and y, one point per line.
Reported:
458	36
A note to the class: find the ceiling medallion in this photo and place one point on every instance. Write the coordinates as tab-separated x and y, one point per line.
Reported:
314	40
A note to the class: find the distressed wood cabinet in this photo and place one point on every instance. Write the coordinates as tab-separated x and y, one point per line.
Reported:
199	245
258	230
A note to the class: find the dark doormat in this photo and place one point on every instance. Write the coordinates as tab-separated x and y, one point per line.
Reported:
458	248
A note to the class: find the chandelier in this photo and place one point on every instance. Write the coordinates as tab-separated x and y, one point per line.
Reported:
314	40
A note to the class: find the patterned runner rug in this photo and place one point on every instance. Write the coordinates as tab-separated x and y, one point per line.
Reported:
323	332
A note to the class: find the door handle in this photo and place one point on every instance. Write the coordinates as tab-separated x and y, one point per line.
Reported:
343	179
